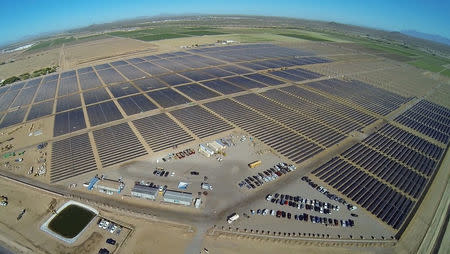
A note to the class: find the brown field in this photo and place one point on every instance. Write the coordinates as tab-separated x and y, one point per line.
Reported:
25	62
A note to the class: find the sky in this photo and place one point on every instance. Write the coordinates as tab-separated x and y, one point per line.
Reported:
21	18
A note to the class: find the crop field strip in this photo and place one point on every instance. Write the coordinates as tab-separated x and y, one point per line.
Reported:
286	142
429	119
298	122
201	122
71	157
160	132
373	99
117	144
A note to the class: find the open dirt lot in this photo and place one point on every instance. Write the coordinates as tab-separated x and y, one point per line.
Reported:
25	62
103	50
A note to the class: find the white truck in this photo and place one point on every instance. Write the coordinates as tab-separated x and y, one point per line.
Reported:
232	217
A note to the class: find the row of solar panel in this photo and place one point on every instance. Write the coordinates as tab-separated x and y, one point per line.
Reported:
338	108
281	139
401	153
425	147
422	128
366	96
407	180
380	199
312	110
301	123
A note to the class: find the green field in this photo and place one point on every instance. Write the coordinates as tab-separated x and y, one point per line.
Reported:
305	37
431	63
202	32
446	73
157	37
51	43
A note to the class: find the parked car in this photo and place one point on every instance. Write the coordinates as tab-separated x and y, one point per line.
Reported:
111	241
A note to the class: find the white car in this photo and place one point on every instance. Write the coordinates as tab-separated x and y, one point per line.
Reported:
113	229
105	225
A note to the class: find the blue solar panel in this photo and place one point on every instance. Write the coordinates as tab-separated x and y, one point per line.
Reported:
148	84
103	112
68	102
95	95
136	104
40	110
168	97
123	89
69	121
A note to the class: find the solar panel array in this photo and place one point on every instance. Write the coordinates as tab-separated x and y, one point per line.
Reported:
377	197
386	173
71	157
366	96
217	68
201	122
160	132
429	119
303	124
117	144
283	140
159	99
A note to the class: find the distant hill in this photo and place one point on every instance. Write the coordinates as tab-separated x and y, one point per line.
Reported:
431	37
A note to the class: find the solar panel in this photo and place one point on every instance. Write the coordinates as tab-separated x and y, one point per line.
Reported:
14	117
89	80
136	104
85	70
68	86
222	86
148	84
95	95
131	72
68	102
266	80
123	89
201	122
161	132
196	91
117	144
103	112
24	97
46	91
110	76
174	79
68	121
40	110
168	97
71	157
244	82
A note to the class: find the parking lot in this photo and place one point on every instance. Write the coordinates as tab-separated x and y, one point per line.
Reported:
301	209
